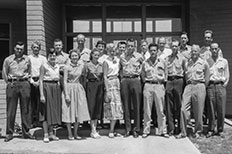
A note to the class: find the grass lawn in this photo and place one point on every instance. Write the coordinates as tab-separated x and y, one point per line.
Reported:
215	144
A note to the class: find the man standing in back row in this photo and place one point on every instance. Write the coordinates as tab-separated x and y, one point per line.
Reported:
219	78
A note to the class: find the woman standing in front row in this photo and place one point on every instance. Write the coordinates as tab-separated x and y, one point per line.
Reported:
94	90
112	105
74	106
50	96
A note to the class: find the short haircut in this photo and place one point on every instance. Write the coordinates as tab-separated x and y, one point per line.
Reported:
152	45
50	51
57	40
37	43
121	42
196	46
184	33
101	42
76	51
175	40
20	43
209	31
143	40
130	40
92	52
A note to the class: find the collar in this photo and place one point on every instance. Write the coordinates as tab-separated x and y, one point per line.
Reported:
20	58
61	53
150	62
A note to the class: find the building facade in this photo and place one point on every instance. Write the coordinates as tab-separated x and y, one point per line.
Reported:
113	20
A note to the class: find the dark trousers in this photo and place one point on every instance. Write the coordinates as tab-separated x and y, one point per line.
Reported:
216	106
131	93
19	90
35	100
174	90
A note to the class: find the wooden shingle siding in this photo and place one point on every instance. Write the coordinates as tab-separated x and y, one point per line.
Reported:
217	16
35	24
52	21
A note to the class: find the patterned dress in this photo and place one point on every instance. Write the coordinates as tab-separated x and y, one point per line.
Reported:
113	105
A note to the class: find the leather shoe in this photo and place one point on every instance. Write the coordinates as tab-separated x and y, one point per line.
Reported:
8	138
127	134
179	136
135	135
221	134
28	136
209	134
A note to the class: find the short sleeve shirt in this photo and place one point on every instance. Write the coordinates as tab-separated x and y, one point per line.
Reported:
51	73
185	51
131	65
219	69
196	71
62	59
94	72
175	65
36	63
113	67
17	67
156	71
85	55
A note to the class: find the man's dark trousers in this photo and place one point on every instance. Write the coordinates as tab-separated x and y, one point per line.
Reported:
174	90
18	90
217	106
131	92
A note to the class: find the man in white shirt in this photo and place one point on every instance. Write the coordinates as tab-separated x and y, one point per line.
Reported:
85	52
144	49
36	61
163	52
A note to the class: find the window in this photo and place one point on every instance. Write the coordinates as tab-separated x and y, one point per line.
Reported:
4	42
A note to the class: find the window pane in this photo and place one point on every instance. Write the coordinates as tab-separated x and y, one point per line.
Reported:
97	26
138	27
149	26
122	26
163	26
4	31
176	25
108	26
81	26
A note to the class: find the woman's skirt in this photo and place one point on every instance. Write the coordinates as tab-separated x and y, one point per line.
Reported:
95	95
113	105
50	111
77	109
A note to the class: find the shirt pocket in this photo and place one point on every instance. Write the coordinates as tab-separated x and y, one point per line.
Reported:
220	68
160	70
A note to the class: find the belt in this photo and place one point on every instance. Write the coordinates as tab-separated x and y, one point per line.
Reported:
194	82
171	78
112	77
153	82
215	82
35	78
50	81
94	80
18	80
131	77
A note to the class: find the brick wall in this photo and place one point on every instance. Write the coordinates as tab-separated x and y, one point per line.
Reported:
217	16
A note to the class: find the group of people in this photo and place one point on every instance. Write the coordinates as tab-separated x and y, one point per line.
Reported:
118	83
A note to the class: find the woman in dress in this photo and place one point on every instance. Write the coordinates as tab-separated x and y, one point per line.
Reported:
50	96
112	105
74	107
94	90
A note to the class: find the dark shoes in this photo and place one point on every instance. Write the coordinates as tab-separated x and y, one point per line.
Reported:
198	135
220	134
135	134
8	138
127	134
28	136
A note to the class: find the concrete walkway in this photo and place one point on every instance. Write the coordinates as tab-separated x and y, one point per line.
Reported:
119	145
